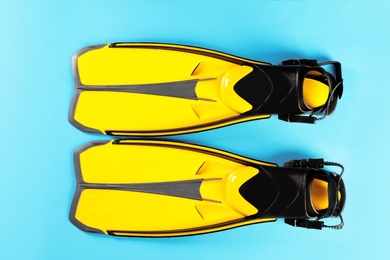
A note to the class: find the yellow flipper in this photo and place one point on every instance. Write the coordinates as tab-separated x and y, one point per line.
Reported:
160	188
150	89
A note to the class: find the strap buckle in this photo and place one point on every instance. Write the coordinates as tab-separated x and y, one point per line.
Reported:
306	163
298	119
304	223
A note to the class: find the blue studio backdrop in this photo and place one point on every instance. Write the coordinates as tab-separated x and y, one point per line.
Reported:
37	142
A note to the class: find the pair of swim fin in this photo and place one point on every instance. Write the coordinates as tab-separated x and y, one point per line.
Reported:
159	188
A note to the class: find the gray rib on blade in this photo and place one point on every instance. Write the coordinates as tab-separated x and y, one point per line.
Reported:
185	189
180	89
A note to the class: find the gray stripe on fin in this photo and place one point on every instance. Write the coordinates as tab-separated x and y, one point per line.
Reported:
180	89
185	189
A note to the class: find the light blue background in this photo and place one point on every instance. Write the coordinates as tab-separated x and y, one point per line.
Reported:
37	142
